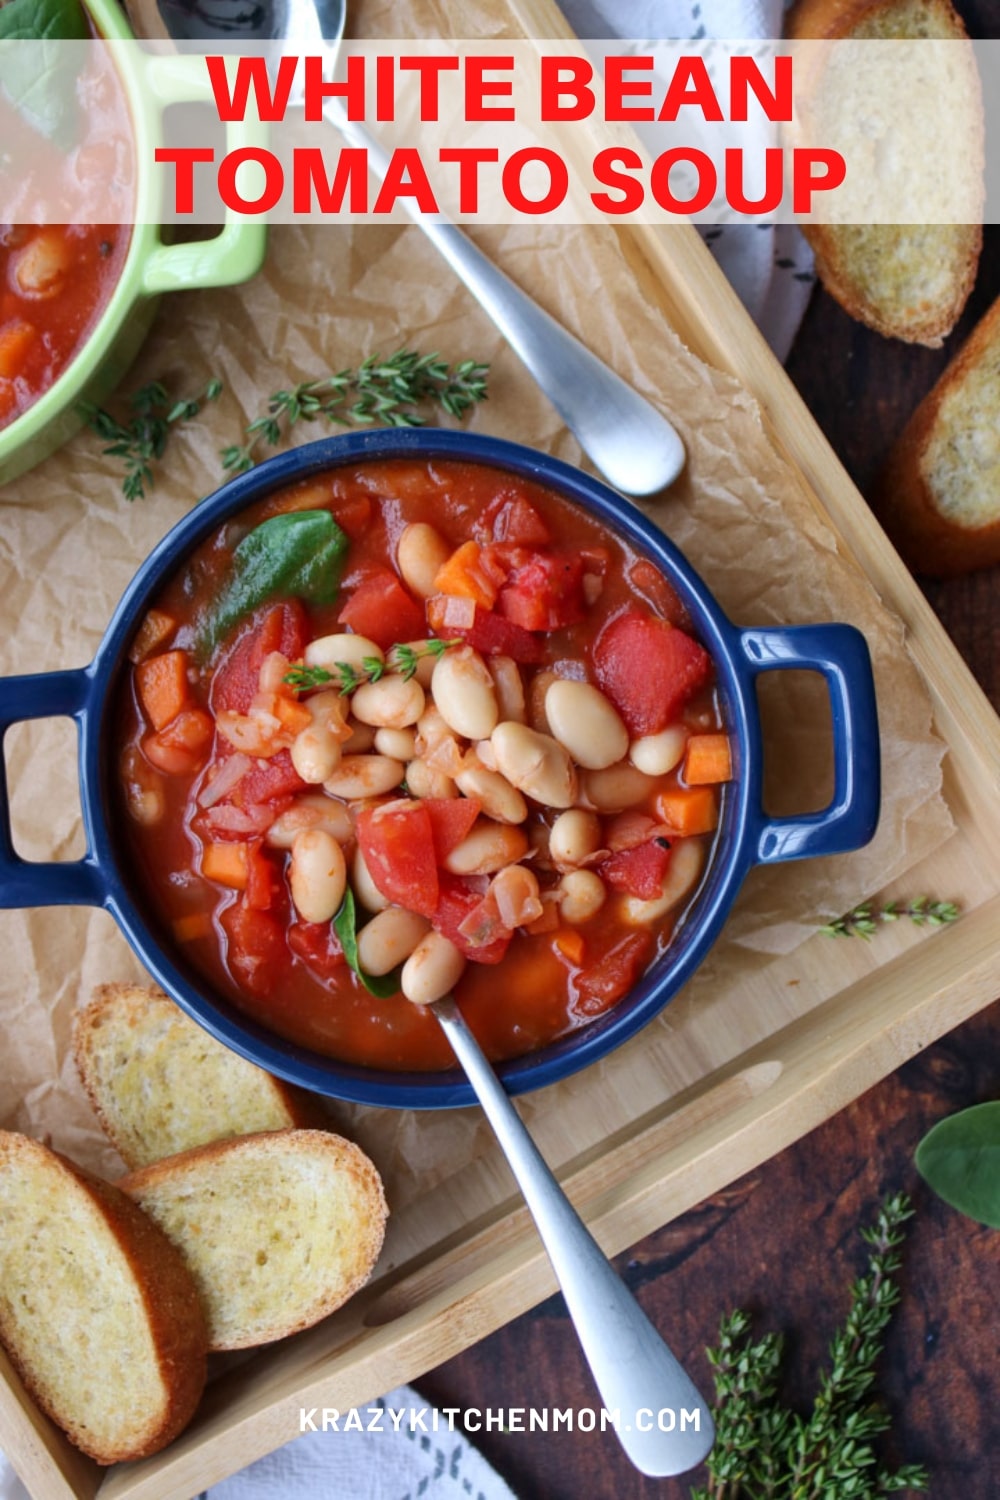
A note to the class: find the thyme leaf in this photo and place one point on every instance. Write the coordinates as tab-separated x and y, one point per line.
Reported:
864	920
140	440
400	660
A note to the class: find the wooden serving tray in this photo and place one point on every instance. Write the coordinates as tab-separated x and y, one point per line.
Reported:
744	1097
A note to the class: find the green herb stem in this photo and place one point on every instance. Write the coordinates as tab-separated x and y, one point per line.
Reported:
388	391
400	660
140	442
864	920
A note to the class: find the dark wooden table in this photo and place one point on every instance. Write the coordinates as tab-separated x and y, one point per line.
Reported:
783	1241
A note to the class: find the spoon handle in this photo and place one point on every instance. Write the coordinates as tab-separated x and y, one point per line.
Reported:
626	438
662	1422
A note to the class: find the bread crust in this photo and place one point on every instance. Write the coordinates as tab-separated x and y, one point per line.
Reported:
167	1293
929	542
328	1289
926	321
119	1018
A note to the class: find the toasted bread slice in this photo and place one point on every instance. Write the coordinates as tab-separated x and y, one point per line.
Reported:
907	281
278	1229
160	1084
98	1311
940	494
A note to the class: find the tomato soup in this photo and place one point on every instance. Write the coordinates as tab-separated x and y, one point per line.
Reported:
408	729
54	283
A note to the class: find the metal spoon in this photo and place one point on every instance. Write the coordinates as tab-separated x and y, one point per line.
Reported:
632	444
663	1424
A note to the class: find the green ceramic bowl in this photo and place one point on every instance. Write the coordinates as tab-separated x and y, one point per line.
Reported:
151	267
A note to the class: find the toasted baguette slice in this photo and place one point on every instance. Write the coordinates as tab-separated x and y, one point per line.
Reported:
907	281
160	1084
98	1311
940	494
278	1229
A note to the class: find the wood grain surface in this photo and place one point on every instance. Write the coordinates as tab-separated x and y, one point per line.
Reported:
783	1241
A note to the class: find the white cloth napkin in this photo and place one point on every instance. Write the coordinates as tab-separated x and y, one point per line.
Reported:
771	269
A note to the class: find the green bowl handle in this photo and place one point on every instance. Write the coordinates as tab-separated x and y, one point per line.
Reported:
237	252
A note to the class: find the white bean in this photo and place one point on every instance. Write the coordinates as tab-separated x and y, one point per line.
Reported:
464	693
433	968
687	860
656	754
535	763
310	810
506	676
42	266
574	836
420	555
145	797
389	939
486	848
329	650
495	794
317	875
586	722
365	890
615	788
581	896
391	703
398	744
540	684
364	776
316	751
425	781
360	739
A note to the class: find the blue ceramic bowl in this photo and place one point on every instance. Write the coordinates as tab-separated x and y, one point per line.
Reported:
746	836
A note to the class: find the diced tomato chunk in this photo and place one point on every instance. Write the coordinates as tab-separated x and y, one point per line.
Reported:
493	635
256	951
318	946
397	843
263	880
602	984
513	518
648	669
380	608
639	871
546	592
451	819
282	627
269	780
457	902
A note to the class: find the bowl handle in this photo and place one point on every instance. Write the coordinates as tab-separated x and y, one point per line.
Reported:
237	252
841	654
24	882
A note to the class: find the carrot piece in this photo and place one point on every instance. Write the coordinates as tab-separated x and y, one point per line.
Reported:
15	341
292	715
463	576
196	924
226	863
547	922
687	811
163	686
707	759
570	944
155	631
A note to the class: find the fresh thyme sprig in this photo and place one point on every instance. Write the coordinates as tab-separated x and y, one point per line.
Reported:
141	441
401	661
864	920
389	391
764	1451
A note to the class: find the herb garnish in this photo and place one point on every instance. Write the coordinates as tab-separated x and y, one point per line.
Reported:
345	925
142	440
960	1159
765	1449
296	555
400	660
385	390
864	920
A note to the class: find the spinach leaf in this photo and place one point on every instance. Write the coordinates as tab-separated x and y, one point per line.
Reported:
960	1159
40	81
345	925
294	556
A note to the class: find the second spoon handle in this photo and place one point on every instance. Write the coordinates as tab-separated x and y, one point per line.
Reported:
662	1422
